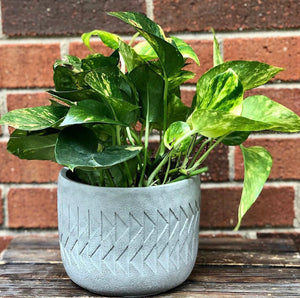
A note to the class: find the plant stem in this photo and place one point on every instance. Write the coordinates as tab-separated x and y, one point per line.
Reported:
167	171
110	178
157	169
129	176
147	132
203	157
133	38
191	146
199	151
165	122
118	134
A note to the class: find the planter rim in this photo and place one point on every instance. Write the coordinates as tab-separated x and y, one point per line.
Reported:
63	174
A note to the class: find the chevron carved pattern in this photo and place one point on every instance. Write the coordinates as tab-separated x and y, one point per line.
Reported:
151	241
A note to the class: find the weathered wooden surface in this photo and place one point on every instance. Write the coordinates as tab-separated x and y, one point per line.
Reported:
226	267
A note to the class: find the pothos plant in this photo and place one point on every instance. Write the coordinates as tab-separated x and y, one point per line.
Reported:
105	108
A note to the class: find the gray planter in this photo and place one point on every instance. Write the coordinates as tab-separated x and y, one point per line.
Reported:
128	241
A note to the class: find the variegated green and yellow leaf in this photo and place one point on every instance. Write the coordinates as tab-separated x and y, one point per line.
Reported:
258	164
224	93
109	39
251	73
35	118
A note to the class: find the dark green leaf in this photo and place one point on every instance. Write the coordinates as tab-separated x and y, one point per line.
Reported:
258	164
140	21
75	95
36	118
151	98
250	73
70	60
109	84
169	56
89	111
64	79
37	145
224	93
109	39
95	61
177	111
236	138
77	146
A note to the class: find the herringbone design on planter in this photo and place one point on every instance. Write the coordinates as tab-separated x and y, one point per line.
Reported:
145	242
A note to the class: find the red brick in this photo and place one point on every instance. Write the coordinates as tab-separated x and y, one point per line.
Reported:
27	65
287	97
285	153
77	48
4	242
32	208
273	208
218	165
204	51
278	51
191	15
15	170
27	100
187	96
72	17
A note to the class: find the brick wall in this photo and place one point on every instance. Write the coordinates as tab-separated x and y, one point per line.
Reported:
34	33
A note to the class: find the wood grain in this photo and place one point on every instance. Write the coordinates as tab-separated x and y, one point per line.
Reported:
225	267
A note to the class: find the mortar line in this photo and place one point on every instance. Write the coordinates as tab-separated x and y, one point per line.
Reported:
64	48
239	183
297	206
149	9
279	135
231	162
28	185
5	190
1	28
52	39
237	34
3	110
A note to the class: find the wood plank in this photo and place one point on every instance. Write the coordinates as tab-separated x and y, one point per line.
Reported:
31	267
205	257
31	256
200	273
34	242
232	244
288	290
61	287
241	244
242	258
33	271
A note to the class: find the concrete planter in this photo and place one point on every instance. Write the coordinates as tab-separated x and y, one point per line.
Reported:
128	241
